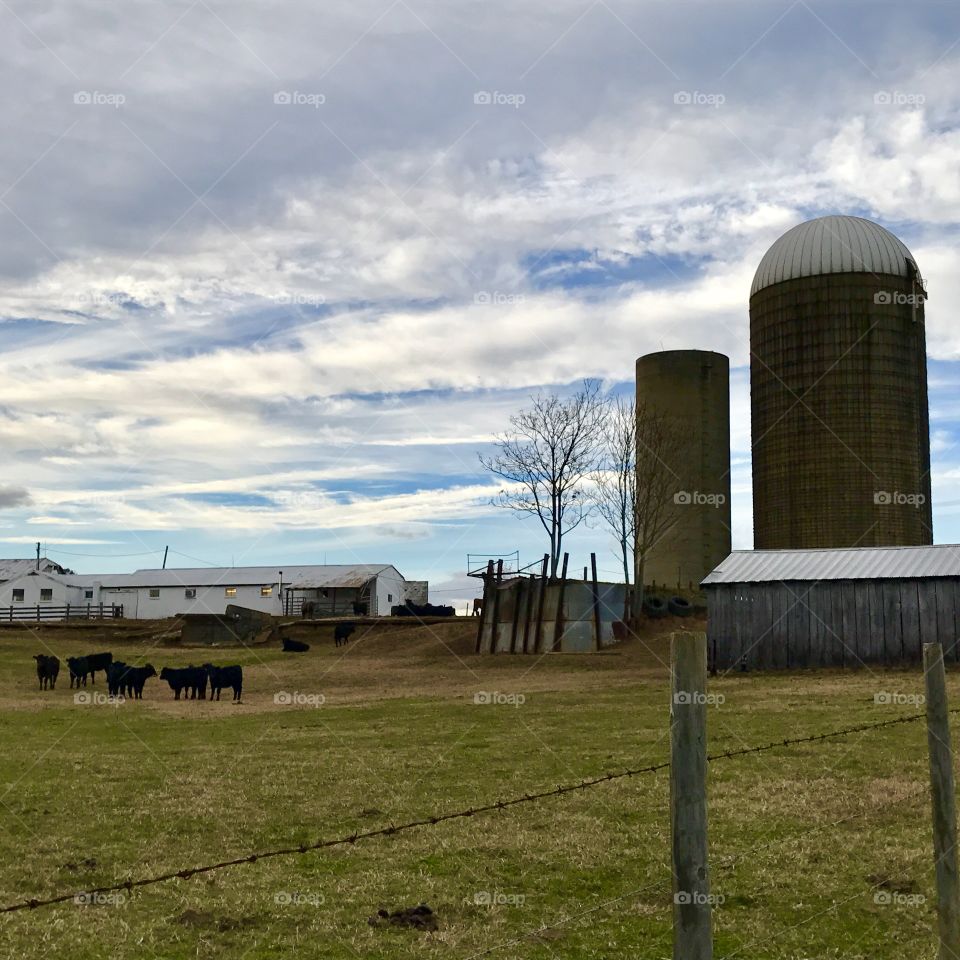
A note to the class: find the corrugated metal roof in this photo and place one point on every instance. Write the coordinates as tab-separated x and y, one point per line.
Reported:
11	569
832	245
856	563
303	577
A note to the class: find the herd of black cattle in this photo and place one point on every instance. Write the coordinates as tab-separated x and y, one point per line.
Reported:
124	680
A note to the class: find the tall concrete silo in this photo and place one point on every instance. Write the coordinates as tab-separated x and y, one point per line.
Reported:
838	383
692	389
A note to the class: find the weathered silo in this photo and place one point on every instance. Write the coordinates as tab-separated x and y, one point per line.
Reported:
838	379
691	388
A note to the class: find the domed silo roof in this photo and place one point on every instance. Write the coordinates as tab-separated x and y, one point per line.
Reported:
834	245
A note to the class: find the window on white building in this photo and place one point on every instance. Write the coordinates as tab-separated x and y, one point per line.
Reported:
190	593
17	596
230	592
154	593
389	598
46	593
266	591
87	594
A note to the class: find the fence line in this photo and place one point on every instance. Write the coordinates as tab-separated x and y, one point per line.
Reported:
560	790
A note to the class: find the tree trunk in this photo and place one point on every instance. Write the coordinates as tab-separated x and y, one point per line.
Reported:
637	605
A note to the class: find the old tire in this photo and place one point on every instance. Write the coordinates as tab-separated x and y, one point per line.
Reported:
679	607
655	607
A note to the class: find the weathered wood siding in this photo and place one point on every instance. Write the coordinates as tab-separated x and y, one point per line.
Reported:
838	623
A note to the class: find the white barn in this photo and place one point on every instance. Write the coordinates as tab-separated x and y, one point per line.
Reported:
335	590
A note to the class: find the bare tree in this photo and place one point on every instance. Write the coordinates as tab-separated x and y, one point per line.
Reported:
615	483
641	465
548	456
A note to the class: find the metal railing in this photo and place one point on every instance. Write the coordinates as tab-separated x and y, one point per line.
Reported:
23	613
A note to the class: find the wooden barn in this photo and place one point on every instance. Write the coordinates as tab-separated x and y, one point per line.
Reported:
790	609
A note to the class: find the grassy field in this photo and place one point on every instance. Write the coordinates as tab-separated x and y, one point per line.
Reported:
818	851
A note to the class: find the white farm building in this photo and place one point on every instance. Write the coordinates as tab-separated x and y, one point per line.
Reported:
335	590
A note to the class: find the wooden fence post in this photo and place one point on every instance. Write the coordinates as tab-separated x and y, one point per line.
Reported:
558	624
495	613
692	934
596	602
488	578
518	601
944	804
538	635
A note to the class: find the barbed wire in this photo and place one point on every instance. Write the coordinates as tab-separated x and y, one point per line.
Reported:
393	829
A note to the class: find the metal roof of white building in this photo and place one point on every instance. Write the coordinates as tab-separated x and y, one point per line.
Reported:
303	577
855	563
832	245
11	569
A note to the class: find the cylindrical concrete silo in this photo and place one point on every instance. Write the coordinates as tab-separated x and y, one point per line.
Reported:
692	389
838	383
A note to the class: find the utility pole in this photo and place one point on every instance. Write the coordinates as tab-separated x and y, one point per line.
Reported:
165	549
38	555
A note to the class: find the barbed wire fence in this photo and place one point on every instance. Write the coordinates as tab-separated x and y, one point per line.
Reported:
723	863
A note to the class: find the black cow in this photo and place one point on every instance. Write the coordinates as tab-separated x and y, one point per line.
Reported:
98	661
137	678
294	646
191	679
342	631
79	667
116	674
48	668
221	677
359	608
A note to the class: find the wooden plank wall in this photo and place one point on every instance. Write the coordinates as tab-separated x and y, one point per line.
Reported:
839	623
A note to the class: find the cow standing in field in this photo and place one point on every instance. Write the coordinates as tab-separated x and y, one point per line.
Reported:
48	668
79	667
342	631
187	680
221	677
98	661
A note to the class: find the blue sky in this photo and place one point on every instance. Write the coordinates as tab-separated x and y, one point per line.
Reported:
271	277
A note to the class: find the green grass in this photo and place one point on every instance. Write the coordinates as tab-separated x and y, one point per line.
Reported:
97	794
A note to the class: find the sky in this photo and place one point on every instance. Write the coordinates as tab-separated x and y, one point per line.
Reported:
272	275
